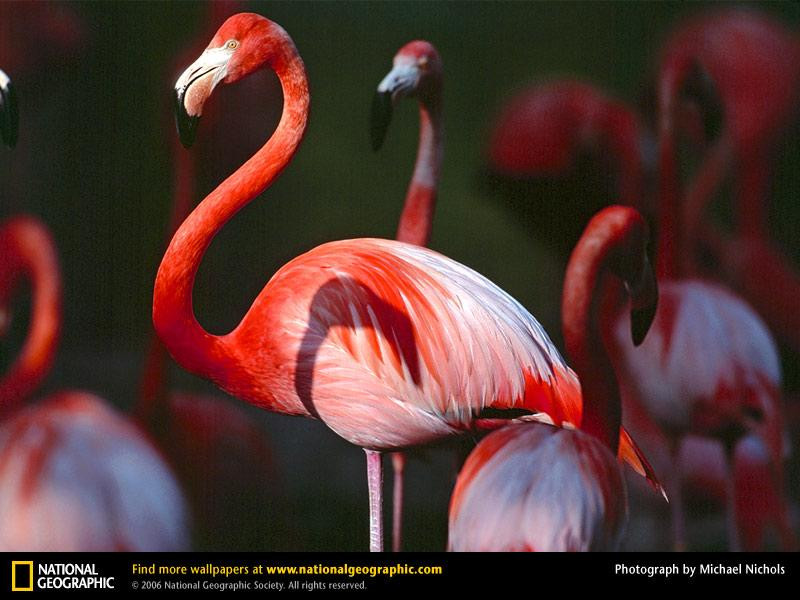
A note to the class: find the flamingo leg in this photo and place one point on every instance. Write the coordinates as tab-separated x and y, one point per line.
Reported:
734	543
678	515
398	466
375	485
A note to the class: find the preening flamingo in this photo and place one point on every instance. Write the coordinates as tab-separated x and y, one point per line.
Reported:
542	136
745	66
416	73
74	475
223	459
9	112
536	487
389	344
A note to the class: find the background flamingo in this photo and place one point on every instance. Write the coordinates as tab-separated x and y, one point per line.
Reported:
710	366
74	475
535	487
416	72
739	67
345	332
529	121
539	144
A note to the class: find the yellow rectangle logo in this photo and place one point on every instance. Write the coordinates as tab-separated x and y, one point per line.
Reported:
26	582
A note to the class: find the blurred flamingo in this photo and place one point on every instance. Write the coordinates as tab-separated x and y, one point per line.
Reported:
223	458
544	134
536	487
710	366
389	344
695	300
59	32
416	72
74	475
742	68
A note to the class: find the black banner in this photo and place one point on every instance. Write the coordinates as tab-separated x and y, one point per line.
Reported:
361	572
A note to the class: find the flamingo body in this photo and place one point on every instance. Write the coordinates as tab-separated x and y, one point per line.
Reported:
71	479
708	360
543	129
394	345
549	489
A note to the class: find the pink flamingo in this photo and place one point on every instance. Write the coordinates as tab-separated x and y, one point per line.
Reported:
204	436
391	345
535	487
9	112
74	475
416	72
543	132
746	65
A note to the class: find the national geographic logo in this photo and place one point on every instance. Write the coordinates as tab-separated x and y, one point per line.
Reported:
57	576
21	575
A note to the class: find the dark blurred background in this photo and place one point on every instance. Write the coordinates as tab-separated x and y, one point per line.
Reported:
94	162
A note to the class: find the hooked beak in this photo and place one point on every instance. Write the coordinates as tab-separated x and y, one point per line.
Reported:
401	81
644	302
194	87
9	113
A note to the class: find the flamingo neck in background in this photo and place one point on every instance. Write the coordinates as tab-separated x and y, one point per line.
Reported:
669	184
591	301
173	316
28	252
417	217
624	134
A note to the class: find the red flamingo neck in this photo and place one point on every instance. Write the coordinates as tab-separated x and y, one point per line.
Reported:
28	252
592	294
669	184
192	346
417	217
623	133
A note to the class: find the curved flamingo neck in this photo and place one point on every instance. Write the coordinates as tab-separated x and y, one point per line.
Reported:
591	296
28	252
173	316
417	217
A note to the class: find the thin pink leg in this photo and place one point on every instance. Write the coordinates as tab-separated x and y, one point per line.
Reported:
734	543
375	485
398	465
676	503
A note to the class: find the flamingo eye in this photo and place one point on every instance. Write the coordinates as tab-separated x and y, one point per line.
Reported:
232	44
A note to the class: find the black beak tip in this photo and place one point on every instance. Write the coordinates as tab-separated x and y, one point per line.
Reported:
9	116
186	124
380	117
641	320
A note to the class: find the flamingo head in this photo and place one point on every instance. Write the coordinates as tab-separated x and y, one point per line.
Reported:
416	71
244	43
632	265
9	115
